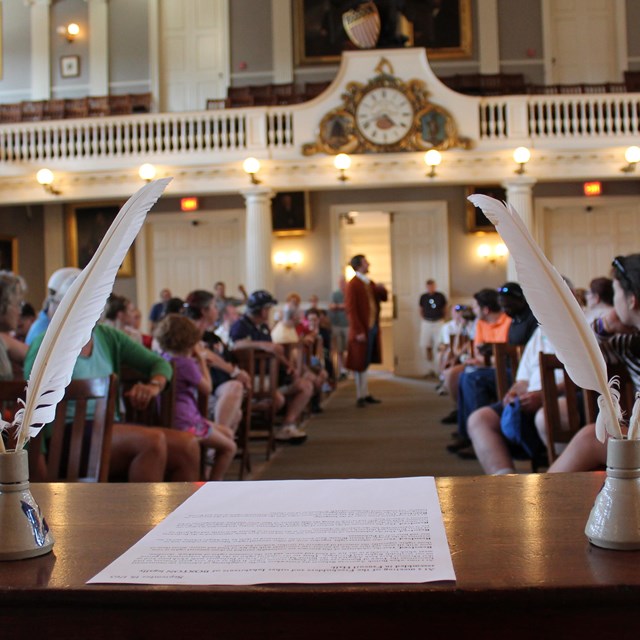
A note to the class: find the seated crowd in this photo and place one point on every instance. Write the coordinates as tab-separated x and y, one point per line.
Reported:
193	347
196	344
497	430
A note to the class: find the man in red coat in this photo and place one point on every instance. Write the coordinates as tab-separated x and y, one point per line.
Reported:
363	310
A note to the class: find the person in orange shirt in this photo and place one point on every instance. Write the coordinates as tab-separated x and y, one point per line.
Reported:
492	326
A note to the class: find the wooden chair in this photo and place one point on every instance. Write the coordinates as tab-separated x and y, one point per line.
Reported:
559	430
10	392
506	358
314	89
543	89
632	80
98	106
32	110
260	90
217	103
285	92
156	414
11	112
120	105
53	110
570	89
262	368
241	101
76	108
238	92
79	451
141	102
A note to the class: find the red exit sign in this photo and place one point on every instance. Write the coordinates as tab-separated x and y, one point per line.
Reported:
592	188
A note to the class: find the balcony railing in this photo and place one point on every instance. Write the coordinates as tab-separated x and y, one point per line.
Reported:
225	135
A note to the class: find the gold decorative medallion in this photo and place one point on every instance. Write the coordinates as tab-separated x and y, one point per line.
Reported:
386	115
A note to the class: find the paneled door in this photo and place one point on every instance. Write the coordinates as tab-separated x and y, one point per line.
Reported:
419	251
578	41
582	238
194	55
184	254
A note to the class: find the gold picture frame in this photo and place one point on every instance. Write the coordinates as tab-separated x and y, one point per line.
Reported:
290	213
86	225
9	253
319	37
477	222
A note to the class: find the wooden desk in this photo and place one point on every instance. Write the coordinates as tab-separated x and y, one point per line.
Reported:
524	567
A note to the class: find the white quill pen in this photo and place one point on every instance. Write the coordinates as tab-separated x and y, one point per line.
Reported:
80	309
558	312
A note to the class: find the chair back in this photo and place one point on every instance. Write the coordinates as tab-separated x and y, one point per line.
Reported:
10	392
155	414
120	105
506	358
262	368
80	450
560	427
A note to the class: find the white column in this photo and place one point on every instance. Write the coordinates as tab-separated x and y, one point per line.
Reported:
281	36
488	45
520	196
40	49
98	47
258	239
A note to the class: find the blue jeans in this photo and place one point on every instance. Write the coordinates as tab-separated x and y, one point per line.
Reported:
476	388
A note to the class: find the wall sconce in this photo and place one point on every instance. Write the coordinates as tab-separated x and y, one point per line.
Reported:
288	259
493	254
45	178
432	159
342	162
147	172
70	31
251	166
521	155
632	156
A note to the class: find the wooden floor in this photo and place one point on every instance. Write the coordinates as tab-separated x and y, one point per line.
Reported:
401	437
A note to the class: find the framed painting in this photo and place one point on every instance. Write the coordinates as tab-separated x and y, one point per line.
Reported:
477	222
290	215
9	253
443	27
70	66
86	225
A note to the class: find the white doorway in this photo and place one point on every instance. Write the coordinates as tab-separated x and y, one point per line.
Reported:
185	252
581	236
410	243
576	37
194	59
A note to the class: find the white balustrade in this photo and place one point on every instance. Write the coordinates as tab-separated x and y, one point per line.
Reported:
598	120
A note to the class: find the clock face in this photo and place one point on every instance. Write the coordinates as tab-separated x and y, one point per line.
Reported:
384	116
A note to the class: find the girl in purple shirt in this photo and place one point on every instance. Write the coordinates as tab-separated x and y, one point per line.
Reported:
179	339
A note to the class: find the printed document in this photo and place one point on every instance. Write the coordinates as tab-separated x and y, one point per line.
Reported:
295	531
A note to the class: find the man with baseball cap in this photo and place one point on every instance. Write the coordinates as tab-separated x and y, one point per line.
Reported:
57	286
251	331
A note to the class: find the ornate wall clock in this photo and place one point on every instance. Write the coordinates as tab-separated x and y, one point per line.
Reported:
385	115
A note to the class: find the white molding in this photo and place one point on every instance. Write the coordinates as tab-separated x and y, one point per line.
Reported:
131	83
243	75
521	62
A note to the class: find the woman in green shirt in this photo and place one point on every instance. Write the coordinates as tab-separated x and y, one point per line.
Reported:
142	454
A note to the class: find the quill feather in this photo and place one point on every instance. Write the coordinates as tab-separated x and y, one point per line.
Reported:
80	309
557	311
